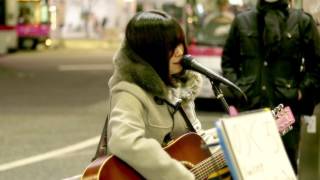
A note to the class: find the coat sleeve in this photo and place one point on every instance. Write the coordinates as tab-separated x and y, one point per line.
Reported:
127	140
231	53
310	83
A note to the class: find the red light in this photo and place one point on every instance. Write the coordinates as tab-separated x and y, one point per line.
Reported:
195	50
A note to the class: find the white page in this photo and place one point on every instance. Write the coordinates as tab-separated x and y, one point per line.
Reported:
256	147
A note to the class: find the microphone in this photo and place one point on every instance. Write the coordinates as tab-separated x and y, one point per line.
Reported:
188	62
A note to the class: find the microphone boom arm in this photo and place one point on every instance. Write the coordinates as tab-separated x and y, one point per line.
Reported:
219	94
188	62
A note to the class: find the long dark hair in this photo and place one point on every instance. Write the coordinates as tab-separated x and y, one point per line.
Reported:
153	35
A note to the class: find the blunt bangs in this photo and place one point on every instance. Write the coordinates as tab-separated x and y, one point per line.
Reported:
153	35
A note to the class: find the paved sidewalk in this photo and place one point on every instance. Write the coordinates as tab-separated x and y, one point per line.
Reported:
310	148
86	44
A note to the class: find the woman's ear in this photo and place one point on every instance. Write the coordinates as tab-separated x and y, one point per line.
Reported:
178	51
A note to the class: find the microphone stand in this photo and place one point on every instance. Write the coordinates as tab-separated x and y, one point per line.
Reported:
218	92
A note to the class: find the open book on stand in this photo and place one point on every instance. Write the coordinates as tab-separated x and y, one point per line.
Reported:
253	148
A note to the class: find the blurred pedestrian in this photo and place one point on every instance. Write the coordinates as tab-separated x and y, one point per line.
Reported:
151	97
273	54
217	24
25	15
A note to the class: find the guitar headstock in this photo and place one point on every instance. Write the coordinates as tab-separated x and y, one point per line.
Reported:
284	118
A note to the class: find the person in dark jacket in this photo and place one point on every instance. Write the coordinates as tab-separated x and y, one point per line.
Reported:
273	54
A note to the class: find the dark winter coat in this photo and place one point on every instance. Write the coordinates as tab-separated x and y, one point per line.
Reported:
269	80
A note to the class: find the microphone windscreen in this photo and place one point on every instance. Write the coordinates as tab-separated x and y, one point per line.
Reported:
187	61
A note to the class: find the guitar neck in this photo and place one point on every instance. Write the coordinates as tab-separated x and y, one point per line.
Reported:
212	164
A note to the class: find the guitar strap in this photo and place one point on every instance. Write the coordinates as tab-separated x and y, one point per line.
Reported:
102	146
178	107
186	119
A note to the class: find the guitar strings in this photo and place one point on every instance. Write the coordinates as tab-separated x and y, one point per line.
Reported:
209	165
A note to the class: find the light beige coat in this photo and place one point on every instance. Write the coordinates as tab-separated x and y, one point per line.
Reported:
138	124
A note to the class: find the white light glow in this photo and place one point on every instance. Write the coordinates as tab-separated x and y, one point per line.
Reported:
236	2
52	8
200	8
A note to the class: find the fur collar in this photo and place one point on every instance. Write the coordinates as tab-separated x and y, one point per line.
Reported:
129	67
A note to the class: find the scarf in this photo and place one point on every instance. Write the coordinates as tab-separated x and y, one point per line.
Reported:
273	17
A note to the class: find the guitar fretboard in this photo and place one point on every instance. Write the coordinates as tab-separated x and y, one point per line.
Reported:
213	163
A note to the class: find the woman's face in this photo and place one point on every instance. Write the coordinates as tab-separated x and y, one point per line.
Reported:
175	65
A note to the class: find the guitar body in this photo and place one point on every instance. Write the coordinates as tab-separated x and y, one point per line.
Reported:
187	149
111	168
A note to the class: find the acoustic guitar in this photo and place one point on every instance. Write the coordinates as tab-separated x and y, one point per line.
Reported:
189	149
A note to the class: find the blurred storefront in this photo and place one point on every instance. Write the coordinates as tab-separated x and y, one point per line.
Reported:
90	19
106	19
313	7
